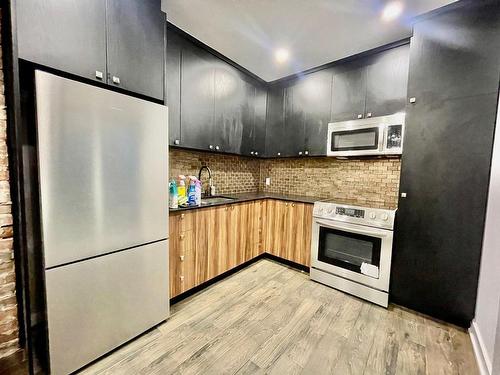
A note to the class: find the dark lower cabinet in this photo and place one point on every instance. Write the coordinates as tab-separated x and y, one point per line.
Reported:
136	45
446	164
66	35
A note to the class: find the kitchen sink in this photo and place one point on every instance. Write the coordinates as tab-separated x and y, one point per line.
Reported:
216	199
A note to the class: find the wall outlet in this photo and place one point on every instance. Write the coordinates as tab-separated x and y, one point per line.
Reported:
268	181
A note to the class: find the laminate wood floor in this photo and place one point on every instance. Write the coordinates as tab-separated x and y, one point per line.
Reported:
270	319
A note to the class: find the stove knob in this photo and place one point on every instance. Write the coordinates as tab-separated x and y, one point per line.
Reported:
330	211
373	215
320	211
384	217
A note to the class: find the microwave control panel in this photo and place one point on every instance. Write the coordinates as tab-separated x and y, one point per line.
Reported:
394	136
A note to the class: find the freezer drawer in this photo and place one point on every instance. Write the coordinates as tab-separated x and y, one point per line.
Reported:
96	305
103	164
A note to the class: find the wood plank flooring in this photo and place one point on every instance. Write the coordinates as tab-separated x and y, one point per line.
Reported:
270	319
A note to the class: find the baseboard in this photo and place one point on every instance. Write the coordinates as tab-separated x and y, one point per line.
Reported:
483	361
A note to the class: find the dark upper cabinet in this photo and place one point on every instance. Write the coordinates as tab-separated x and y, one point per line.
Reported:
313	98
349	92
275	121
387	82
372	86
136	46
446	162
173	87
294	115
234	109
259	133
97	39
65	35
197	98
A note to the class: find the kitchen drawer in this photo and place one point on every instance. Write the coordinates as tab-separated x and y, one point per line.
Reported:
182	221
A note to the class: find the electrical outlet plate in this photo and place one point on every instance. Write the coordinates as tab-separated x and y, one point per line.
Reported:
268	181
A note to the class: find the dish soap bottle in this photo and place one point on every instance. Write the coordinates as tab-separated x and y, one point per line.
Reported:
198	192
174	198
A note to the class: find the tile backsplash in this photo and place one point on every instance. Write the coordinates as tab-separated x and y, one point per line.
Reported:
360	181
230	173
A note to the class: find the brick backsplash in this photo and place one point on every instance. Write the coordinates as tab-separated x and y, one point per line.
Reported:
9	329
373	182
230	173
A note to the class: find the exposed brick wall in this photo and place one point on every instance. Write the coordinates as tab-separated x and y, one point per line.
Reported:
372	181
8	307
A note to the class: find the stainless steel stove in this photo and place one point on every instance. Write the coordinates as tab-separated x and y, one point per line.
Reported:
351	249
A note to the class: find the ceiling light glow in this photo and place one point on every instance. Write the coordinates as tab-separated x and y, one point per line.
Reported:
392	10
281	55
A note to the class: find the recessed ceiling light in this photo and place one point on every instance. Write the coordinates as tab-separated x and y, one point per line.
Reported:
392	10
281	55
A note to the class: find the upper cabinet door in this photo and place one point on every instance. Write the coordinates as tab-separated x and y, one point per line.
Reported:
293	137
275	121
67	35
197	98
259	141
349	93
233	108
136	43
387	82
314	96
173	95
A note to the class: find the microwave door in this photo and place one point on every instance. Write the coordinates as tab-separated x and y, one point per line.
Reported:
366	140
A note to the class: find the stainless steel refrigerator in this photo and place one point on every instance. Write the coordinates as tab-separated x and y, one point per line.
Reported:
103	170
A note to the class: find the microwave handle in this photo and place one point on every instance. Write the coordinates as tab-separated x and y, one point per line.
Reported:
354	228
382	134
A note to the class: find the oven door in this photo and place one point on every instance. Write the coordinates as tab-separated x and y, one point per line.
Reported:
350	139
354	252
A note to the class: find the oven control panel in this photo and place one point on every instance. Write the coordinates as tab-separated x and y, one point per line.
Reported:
352	212
374	217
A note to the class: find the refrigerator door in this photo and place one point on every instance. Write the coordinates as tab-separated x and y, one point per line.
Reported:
103	164
96	305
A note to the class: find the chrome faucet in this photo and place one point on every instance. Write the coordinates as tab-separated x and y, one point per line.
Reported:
208	192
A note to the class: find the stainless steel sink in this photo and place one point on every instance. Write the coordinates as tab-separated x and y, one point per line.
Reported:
216	199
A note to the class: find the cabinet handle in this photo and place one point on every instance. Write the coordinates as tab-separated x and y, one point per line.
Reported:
256	153
217	147
225	208
181	258
182	278
300	153
360	116
232	207
293	204
413	100
251	152
182	216
99	75
306	152
279	153
286	204
369	114
182	236
116	80
177	142
211	147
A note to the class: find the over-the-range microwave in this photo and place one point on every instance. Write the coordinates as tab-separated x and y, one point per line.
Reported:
371	136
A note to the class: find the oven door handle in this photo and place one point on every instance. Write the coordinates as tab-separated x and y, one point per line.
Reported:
354	228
